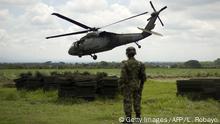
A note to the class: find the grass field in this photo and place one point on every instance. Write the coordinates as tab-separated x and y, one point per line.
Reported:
159	101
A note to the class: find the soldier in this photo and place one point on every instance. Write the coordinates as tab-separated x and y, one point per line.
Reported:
131	83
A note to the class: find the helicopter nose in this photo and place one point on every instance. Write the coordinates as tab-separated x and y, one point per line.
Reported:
71	51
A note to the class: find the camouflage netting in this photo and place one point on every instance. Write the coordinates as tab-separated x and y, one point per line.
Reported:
71	84
199	88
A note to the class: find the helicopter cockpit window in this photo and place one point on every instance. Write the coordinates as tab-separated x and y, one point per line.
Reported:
78	43
75	44
93	34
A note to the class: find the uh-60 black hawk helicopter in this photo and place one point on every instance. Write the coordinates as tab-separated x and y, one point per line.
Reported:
99	41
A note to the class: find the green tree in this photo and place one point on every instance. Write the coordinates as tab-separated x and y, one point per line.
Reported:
104	64
192	64
217	62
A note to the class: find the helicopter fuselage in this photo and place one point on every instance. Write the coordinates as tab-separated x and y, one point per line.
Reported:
96	42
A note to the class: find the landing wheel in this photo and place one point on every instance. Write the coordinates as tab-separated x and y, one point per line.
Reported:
139	46
80	56
94	57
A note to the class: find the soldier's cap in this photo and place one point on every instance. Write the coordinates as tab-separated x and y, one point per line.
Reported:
131	50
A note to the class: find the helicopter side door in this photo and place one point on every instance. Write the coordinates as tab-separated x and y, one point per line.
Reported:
95	44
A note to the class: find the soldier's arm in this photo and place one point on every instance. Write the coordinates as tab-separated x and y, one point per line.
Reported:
143	76
123	76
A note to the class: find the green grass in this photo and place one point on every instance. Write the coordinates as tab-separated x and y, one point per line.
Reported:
159	100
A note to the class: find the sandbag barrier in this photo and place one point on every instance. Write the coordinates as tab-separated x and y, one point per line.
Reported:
71	85
29	82
89	87
197	89
108	87
79	86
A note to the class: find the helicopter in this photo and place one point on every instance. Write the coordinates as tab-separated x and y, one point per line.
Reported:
96	41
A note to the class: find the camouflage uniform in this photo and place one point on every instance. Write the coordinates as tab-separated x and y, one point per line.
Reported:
131	84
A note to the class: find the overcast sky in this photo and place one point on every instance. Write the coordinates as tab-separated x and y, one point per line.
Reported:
191	31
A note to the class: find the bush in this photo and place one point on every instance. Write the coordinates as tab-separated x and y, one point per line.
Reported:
100	75
26	75
86	73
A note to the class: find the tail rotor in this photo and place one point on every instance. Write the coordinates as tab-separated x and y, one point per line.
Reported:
156	13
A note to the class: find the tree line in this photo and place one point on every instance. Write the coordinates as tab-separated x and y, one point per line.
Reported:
104	64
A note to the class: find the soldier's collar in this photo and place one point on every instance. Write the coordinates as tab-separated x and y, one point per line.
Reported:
132	58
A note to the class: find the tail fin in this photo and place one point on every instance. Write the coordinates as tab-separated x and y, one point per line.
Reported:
150	32
151	24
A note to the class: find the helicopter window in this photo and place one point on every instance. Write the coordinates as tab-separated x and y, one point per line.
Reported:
75	44
78	43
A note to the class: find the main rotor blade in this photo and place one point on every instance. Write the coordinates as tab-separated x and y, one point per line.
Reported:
72	21
152	6
124	19
74	33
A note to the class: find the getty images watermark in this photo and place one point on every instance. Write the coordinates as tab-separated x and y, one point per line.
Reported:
171	120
